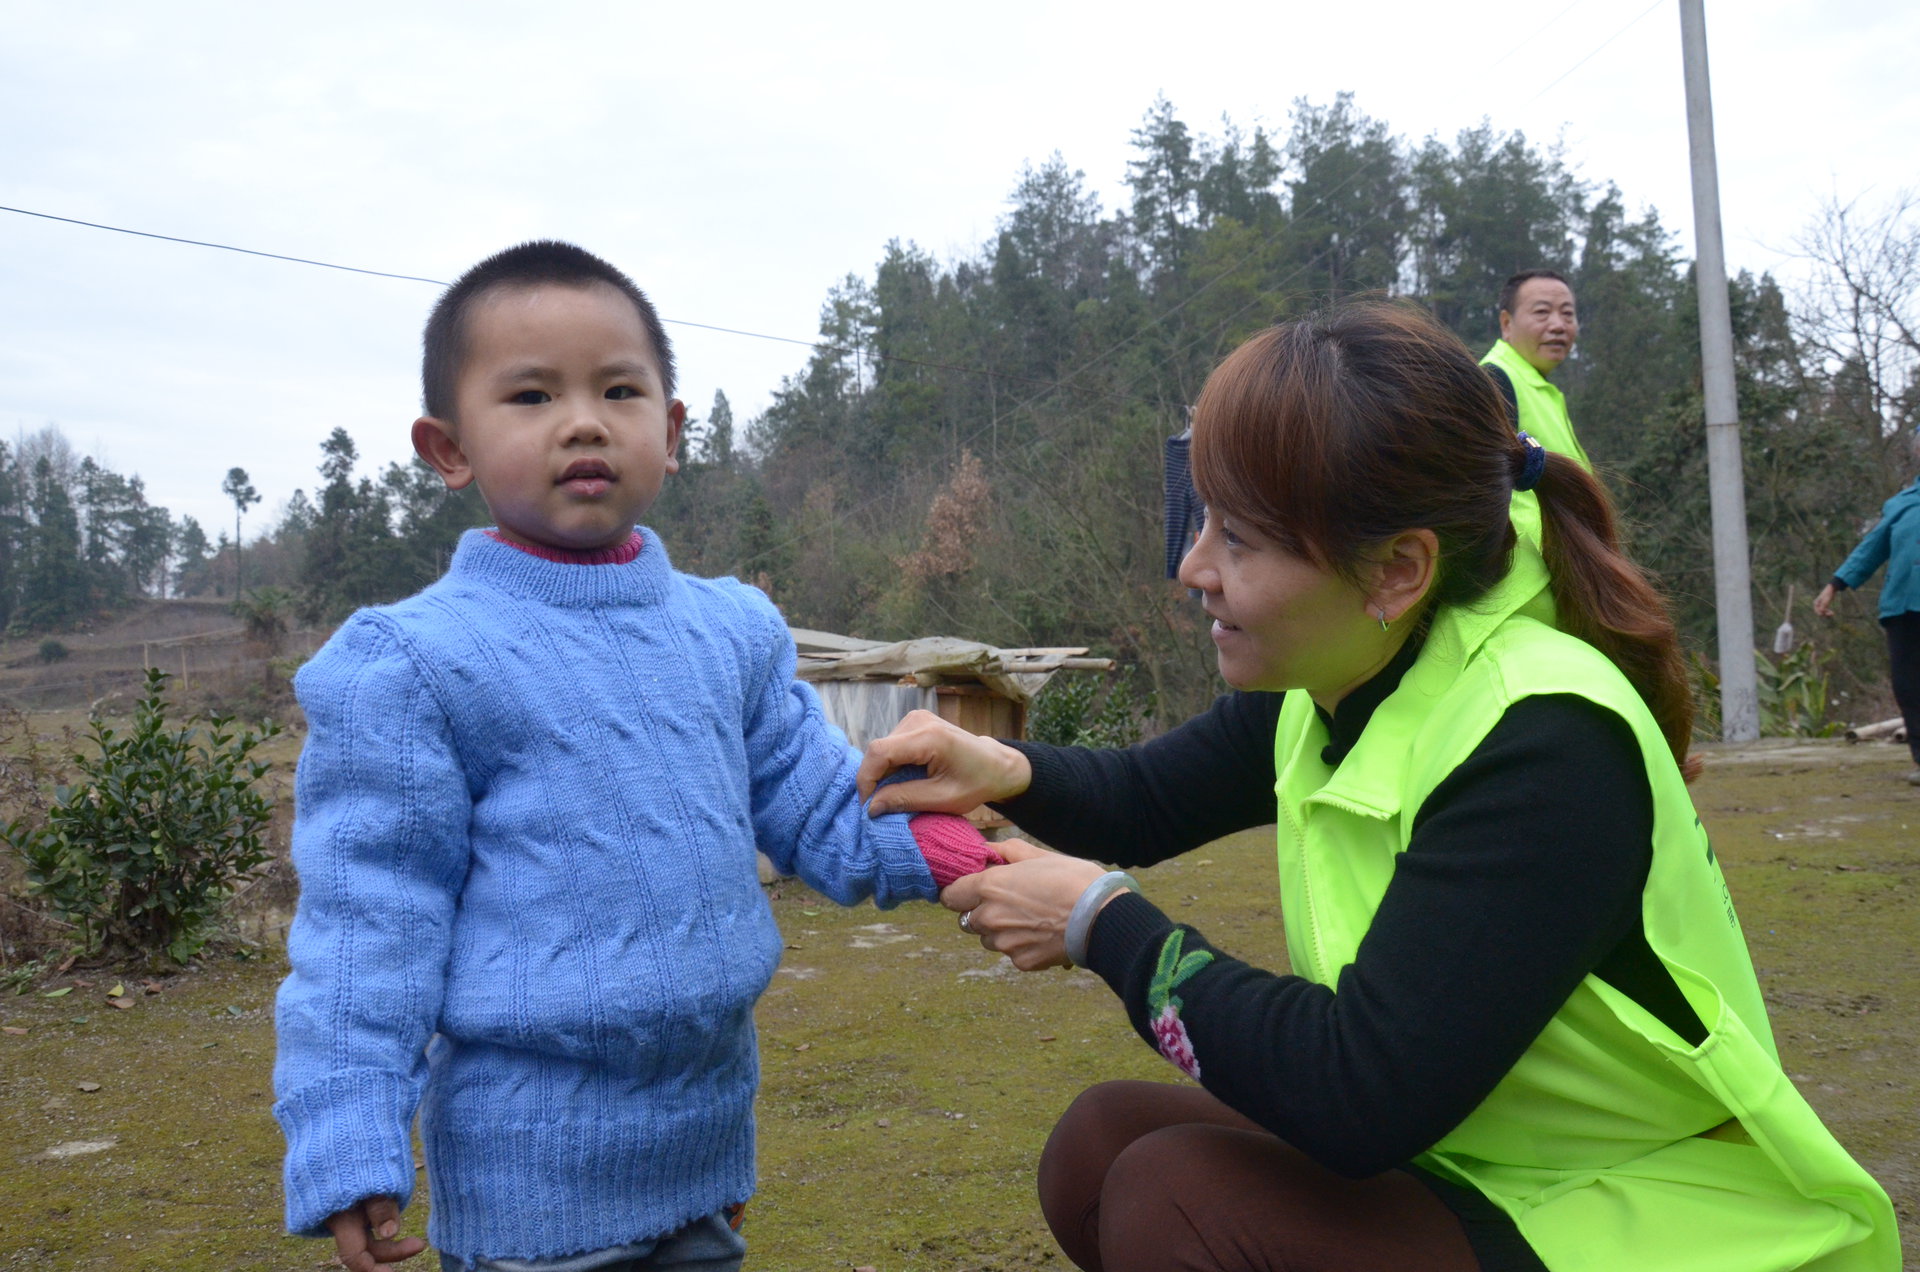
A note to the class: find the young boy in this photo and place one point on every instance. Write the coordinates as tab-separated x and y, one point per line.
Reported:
526	820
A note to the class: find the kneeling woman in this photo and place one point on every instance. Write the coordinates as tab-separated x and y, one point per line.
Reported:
1522	1028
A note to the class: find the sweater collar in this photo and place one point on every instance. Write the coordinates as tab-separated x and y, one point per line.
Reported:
619	554
482	559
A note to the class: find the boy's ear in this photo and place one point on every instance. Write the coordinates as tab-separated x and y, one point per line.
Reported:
676	421
435	441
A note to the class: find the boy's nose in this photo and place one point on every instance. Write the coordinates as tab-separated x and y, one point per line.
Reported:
585	424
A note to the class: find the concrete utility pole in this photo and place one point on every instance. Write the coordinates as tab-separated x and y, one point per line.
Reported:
1732	585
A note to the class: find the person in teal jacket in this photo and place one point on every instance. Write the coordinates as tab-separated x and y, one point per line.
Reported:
1893	542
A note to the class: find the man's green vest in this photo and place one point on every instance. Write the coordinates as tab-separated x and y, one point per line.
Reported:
1543	408
1609	1142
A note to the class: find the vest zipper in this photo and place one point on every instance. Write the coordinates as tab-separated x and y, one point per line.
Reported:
1318	971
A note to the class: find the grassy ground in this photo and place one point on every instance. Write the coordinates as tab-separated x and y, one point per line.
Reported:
910	1078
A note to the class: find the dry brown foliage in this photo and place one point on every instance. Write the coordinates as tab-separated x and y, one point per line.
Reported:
954	522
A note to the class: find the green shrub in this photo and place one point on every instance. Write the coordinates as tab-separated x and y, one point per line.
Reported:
1792	690
142	850
1793	693
1072	711
267	613
52	651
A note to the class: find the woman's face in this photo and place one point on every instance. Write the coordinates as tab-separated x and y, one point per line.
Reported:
1279	620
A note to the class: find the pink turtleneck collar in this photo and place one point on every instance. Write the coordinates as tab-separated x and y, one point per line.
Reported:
620	554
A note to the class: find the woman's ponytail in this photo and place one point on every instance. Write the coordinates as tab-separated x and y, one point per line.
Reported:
1602	597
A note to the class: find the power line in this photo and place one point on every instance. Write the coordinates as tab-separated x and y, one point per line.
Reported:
438	282
1046	387
1231	268
1633	22
1542	30
225	247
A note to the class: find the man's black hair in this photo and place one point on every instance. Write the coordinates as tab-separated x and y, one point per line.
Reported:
1510	290
543	261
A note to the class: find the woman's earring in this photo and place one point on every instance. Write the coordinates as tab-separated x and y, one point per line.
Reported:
1383	618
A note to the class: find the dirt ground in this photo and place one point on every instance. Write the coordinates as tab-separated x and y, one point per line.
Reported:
909	1077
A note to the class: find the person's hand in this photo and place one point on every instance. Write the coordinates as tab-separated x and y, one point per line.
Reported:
964	770
1823	603
1021	909
365	1236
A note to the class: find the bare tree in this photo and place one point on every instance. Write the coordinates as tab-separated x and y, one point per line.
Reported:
1860	312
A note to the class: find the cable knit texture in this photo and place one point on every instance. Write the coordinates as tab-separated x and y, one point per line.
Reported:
525	826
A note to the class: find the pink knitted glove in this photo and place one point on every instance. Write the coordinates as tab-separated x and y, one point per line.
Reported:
952	846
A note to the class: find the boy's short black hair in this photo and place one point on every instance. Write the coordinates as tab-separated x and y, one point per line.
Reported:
542	261
1510	290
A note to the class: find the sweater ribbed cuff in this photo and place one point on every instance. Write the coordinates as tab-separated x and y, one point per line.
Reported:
348	1139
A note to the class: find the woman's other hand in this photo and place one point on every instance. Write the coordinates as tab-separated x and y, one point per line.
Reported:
1021	909
1823	603
964	770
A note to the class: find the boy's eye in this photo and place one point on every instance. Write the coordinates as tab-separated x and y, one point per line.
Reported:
531	397
621	392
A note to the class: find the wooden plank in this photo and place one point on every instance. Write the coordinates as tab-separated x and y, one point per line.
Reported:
1062	664
809	641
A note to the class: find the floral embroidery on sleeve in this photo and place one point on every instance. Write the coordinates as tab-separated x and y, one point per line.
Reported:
1169	1031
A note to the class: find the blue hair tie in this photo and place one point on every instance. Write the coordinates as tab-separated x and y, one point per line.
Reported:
1532	463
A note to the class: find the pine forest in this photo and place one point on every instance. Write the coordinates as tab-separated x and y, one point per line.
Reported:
974	446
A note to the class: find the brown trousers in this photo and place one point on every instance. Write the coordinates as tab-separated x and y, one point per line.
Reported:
1150	1177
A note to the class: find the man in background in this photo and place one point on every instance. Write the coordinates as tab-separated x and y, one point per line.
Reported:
1538	325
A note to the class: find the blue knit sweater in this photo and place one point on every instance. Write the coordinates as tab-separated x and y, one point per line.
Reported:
525	822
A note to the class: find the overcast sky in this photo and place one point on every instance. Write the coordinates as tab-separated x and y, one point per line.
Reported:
737	160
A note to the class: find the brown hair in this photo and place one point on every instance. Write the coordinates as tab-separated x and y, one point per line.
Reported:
1334	433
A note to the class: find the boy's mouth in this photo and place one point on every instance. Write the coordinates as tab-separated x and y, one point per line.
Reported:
587	477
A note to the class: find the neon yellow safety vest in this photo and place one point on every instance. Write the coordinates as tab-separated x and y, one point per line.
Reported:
1609	1142
1543	408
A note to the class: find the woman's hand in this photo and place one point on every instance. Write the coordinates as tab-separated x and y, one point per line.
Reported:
964	770
1021	909
1823	603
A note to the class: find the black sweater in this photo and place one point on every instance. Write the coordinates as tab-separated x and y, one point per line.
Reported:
1523	875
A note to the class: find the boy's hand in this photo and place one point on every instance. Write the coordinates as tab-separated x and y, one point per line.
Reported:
365	1235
